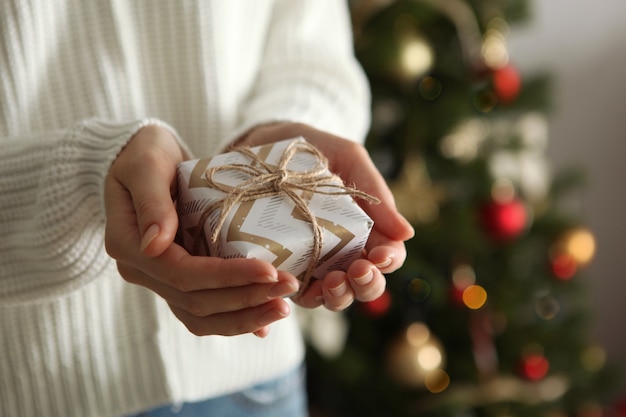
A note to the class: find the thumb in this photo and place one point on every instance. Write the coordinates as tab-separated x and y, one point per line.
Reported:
159	230
139	189
146	168
157	219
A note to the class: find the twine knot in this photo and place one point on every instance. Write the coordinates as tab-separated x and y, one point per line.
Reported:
281	177
265	180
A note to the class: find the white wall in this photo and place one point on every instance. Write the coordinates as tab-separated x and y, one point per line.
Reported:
583	45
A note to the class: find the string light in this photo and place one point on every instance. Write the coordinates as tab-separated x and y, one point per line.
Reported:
463	276
417	334
474	297
416	57
581	245
437	381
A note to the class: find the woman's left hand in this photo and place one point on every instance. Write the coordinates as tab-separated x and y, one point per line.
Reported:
385	249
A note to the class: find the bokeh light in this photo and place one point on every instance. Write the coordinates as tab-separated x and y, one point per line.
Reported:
563	266
503	191
547	307
429	88
494	49
593	358
429	357
553	388
418	290
463	276
580	244
485	101
417	57
437	381
464	141
417	334
474	297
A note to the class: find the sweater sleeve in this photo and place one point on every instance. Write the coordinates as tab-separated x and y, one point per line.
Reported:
309	73
52	209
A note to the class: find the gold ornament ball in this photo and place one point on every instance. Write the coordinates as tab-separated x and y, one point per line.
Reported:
414	354
580	244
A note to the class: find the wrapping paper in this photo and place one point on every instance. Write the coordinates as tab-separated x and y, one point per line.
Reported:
271	228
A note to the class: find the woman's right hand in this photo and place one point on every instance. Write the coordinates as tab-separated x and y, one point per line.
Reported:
210	296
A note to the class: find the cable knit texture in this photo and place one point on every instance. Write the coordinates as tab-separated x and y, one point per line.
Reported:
77	80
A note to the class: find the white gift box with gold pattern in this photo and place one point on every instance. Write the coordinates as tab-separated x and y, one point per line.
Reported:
272	228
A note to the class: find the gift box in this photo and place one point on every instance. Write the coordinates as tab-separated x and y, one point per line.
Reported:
276	202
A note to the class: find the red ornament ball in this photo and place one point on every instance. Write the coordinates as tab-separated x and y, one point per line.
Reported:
456	295
563	266
534	367
504	220
507	83
377	307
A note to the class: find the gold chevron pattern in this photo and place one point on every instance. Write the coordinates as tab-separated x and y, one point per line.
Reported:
235	230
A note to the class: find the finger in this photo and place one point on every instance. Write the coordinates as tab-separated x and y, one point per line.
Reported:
157	219
207	302
386	254
262	332
312	297
237	322
359	171
147	169
366	177
387	258
366	281
338	294
178	269
121	234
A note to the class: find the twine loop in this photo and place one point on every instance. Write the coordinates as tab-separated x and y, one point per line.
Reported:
265	180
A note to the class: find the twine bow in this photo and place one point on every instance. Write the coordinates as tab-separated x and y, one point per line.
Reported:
264	180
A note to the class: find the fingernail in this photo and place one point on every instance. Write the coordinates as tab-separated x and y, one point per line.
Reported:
272	315
268	278
283	288
384	263
151	234
262	332
364	279
339	290
409	225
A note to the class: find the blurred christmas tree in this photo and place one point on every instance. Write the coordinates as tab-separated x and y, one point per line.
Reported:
488	317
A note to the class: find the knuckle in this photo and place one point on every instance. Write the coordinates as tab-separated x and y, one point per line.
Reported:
224	271
194	327
336	307
126	273
194	306
299	127
146	205
174	278
248	299
112	246
236	329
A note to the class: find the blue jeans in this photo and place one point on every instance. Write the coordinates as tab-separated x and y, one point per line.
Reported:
281	397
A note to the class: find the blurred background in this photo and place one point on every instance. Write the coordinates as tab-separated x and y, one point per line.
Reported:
498	126
583	44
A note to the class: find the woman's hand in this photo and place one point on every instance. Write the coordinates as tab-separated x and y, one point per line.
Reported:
385	250
209	295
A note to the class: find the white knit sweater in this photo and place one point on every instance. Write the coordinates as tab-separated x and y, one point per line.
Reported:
77	79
